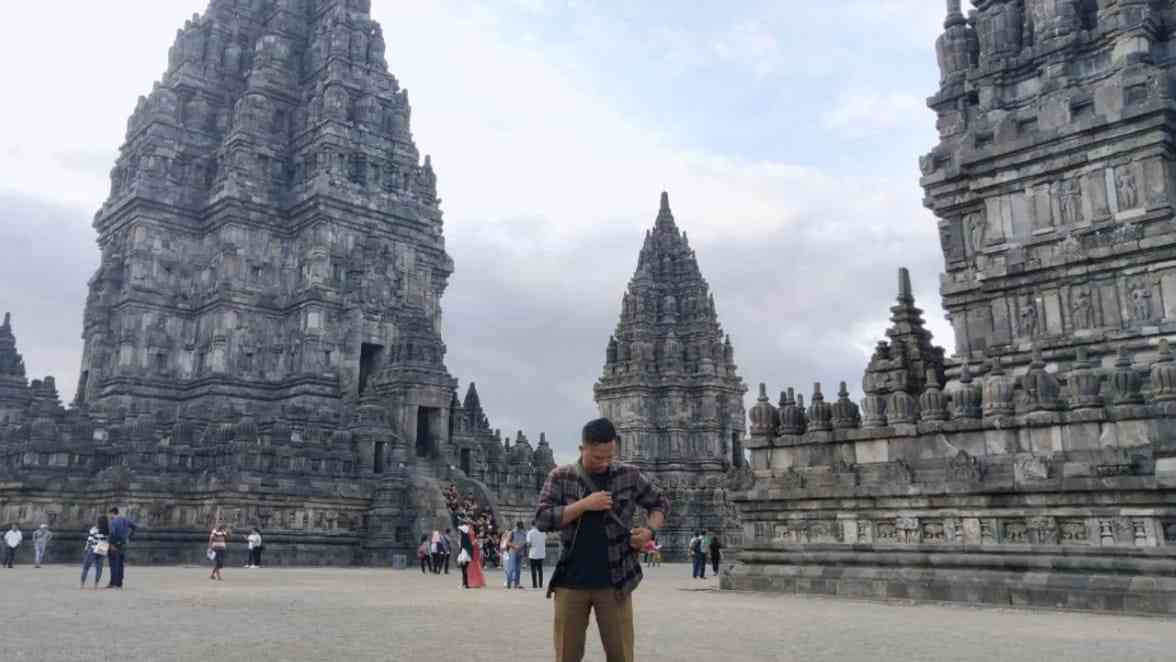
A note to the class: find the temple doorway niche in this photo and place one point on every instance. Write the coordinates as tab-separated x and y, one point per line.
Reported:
426	441
465	461
378	457
370	356
737	459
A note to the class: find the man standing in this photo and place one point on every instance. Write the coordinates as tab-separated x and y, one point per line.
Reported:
591	503
121	530
12	540
536	552
41	538
518	543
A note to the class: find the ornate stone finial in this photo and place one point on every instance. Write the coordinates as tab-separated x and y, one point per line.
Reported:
1083	384
998	392
7	320
791	415
932	403
1125	381
1163	374
763	415
1039	386
846	414
967	401
820	413
901	407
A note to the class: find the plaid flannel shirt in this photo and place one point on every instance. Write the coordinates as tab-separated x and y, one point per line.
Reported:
629	488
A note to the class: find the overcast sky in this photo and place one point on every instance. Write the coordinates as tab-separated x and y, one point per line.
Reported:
787	133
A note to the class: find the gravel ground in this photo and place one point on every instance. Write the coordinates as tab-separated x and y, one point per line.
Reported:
363	614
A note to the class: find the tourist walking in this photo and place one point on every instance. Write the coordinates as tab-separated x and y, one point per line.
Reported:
536	552
715	548
12	540
121	530
96	548
41	538
254	540
598	568
423	554
218	542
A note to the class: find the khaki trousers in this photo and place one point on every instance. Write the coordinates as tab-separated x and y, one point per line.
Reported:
614	619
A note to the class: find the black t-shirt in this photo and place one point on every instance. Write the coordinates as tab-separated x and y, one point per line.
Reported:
588	567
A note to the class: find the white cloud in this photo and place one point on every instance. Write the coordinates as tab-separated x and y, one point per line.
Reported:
858	115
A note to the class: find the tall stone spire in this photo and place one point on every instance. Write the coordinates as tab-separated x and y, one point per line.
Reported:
11	362
14	387
311	237
670	382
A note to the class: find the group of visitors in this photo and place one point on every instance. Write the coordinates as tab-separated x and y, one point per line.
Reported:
467	509
435	551
13	537
106	543
516	545
705	546
107	539
218	545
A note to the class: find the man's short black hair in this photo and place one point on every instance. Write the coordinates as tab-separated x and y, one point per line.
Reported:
114	511
599	431
519	524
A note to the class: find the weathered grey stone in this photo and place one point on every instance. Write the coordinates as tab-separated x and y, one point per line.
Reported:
1054	201
671	388
262	335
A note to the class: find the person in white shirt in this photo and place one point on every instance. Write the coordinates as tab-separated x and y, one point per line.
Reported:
536	552
254	540
12	540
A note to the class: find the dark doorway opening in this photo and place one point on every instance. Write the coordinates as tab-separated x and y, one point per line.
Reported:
369	361
737	459
425	441
465	461
378	458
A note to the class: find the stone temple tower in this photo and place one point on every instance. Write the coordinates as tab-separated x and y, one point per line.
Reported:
670	384
272	243
1052	182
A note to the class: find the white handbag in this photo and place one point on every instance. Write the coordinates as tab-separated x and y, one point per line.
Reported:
101	548
463	558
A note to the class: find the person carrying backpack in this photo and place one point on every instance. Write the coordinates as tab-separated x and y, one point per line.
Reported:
698	556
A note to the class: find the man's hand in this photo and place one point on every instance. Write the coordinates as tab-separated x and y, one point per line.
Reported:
638	538
597	501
